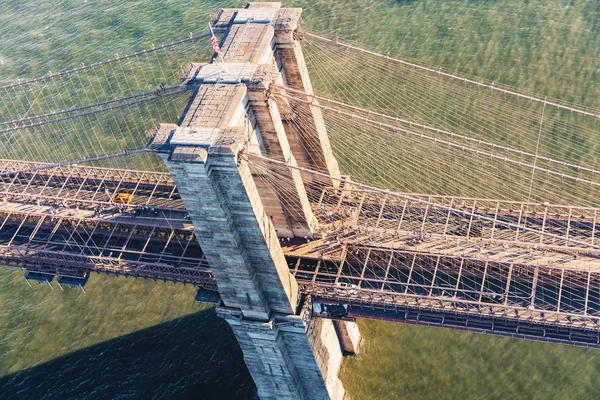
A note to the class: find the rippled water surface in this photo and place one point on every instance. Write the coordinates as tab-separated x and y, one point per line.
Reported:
129	339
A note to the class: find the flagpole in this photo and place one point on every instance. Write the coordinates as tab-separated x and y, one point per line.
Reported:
220	53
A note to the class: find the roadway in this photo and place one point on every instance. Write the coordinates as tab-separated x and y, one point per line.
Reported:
427	254
83	185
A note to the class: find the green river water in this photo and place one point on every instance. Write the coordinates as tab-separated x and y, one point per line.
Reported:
128	339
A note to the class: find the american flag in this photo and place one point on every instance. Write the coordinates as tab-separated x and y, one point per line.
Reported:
214	42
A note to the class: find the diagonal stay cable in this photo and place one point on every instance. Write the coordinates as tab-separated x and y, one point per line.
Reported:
192	38
447	143
80	108
249	158
454	77
426	127
157	94
75	162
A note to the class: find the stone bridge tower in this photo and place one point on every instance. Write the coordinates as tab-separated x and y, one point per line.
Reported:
238	219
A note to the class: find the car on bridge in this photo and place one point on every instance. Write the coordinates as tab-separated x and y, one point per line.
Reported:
492	297
122	198
345	288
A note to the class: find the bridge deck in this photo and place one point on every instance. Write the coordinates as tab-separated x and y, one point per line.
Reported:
81	185
520	329
386	277
157	244
435	254
502	220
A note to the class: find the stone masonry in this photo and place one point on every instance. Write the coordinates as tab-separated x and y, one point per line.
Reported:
239	218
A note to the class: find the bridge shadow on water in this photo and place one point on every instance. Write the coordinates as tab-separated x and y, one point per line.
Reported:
193	357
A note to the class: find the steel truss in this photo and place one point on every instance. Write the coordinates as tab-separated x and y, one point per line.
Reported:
7	165
142	246
493	230
390	279
495	259
66	264
537	223
470	322
82	185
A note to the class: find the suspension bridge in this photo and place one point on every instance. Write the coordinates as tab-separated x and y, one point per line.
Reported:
399	192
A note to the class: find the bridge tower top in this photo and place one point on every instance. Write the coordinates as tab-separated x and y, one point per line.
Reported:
239	215
261	48
233	110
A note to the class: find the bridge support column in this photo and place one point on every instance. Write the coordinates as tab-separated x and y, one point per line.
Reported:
239	212
349	336
282	354
289	357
